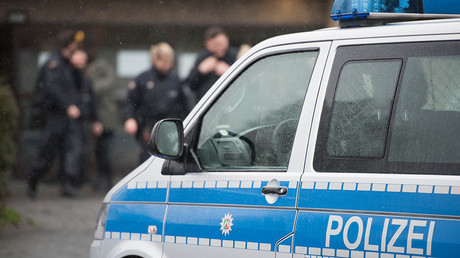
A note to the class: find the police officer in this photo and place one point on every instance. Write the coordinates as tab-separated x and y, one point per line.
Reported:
211	63
56	86
154	94
86	102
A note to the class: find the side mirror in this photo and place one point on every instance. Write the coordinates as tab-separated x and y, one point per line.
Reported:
167	139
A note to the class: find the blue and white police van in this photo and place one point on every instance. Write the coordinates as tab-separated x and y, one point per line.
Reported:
341	142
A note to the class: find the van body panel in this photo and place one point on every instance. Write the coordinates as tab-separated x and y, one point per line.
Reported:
351	214
327	209
217	195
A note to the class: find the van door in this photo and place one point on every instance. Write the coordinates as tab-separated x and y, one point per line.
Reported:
384	179
241	201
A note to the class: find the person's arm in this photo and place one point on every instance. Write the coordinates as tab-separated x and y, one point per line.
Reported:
194	78
204	65
93	113
132	100
58	93
130	108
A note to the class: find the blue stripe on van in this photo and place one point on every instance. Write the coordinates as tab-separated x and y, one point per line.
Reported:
231	196
135	218
381	201
140	195
356	235
261	226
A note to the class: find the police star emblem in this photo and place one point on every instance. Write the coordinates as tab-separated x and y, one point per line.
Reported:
226	224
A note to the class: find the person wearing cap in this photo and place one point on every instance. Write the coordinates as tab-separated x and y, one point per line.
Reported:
57	91
154	95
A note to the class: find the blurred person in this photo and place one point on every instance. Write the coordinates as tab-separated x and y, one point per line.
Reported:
56	86
154	95
103	77
86	102
212	62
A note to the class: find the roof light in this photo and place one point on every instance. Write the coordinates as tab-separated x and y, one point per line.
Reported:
348	10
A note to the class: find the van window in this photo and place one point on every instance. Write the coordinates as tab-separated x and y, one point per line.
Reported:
362	107
392	108
427	121
253	123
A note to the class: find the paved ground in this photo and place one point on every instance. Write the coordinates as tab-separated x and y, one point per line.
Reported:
52	226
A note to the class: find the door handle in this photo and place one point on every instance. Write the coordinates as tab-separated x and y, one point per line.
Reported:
279	190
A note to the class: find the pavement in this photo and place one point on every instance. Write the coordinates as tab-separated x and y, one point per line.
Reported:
52	226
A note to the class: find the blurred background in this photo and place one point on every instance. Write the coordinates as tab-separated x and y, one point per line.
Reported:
118	34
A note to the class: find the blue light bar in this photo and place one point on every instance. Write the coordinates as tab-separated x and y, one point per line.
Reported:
347	10
441	6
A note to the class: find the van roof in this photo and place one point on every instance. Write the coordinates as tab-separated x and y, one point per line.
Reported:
398	29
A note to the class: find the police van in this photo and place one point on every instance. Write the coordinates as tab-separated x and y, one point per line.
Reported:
341	142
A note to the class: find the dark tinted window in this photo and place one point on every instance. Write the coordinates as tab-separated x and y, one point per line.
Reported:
427	120
362	107
392	108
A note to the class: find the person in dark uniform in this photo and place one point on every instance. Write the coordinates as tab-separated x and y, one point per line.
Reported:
154	95
211	63
56	86
86	102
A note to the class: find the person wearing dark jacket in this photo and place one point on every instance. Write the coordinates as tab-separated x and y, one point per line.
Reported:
154	95
211	63
57	88
86	101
